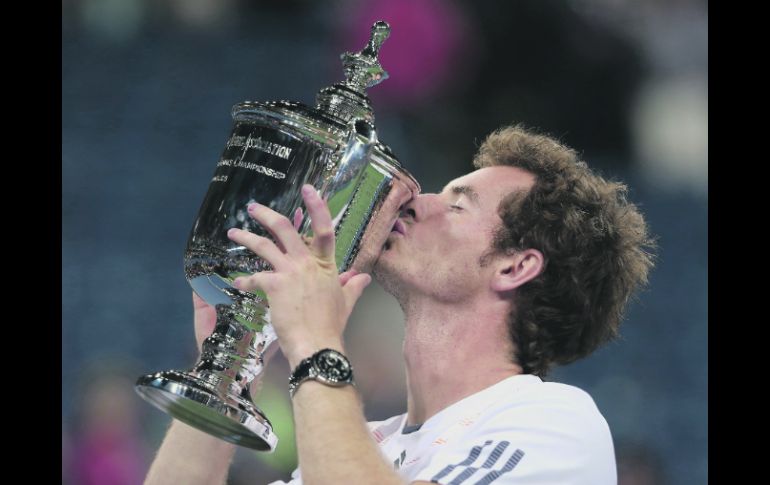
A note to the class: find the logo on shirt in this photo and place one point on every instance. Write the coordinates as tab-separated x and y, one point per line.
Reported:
399	461
463	470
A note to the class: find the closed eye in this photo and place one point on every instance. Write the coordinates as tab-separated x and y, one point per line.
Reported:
456	207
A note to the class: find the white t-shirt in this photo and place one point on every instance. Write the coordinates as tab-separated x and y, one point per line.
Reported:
519	431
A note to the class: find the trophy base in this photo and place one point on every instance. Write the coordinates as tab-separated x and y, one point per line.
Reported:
192	401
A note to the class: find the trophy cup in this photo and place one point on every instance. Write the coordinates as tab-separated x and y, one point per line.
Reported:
275	148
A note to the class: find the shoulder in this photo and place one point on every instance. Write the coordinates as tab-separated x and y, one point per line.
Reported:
548	407
547	432
556	396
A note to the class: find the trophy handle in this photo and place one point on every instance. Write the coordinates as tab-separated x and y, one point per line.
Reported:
350	166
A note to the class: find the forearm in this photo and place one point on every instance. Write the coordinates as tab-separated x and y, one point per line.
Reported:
190	457
333	442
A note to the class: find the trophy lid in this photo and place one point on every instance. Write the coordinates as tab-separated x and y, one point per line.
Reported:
348	100
337	106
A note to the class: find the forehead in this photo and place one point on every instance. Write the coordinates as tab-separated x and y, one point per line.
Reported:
494	183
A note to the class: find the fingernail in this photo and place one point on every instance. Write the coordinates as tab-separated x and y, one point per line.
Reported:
237	283
251	207
307	189
232	231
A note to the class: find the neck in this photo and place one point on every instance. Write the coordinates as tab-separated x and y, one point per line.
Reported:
453	350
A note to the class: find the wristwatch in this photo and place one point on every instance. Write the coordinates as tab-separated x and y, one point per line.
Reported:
326	366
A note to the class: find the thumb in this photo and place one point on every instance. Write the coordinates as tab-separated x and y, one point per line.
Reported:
355	287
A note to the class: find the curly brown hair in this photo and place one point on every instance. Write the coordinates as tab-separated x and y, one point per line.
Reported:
596	248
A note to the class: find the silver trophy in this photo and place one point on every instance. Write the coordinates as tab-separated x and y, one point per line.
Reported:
275	148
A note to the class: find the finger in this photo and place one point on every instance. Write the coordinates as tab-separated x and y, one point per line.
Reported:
252	283
279	226
321	223
298	217
355	287
261	246
344	277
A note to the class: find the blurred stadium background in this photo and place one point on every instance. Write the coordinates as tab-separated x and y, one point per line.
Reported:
147	88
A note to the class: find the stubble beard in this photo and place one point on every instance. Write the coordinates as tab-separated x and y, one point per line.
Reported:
389	277
398	278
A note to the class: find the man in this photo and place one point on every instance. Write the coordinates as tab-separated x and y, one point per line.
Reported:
525	263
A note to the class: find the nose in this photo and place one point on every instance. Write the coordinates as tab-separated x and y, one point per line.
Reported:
419	207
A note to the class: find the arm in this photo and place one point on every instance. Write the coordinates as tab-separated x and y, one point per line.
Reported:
310	305
191	457
333	441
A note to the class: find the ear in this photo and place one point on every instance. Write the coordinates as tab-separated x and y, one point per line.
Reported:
513	271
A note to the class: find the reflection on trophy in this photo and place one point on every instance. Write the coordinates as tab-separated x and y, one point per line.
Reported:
275	148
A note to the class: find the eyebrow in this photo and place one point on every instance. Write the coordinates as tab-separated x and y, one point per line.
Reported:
466	190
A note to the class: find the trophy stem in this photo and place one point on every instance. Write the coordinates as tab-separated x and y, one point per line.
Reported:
214	395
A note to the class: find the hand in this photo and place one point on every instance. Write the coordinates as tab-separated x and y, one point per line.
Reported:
309	302
205	315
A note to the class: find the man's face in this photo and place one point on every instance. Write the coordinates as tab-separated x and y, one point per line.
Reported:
437	243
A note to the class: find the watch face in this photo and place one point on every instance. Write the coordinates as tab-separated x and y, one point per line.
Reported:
333	366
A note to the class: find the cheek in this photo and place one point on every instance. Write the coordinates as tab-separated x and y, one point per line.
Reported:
472	236
464	248
458	241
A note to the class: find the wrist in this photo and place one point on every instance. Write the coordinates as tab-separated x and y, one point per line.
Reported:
301	351
328	366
